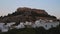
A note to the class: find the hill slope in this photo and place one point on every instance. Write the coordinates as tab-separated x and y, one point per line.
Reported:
27	14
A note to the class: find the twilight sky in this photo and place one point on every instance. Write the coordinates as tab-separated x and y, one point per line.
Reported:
50	6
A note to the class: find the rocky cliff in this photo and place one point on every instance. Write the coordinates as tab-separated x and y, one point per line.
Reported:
27	14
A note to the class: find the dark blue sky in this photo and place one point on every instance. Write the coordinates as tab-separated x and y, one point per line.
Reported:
50	6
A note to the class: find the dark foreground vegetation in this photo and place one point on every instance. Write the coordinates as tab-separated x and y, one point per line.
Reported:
33	31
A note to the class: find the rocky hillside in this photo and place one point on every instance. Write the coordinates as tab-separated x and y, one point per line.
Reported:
26	14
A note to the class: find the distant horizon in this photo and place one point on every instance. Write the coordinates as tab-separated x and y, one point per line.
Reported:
52	7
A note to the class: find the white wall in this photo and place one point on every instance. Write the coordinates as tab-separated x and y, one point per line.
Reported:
38	23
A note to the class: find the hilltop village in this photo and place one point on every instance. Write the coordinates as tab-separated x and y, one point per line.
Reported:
25	17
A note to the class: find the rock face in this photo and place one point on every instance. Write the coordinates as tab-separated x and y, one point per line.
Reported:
27	14
24	9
